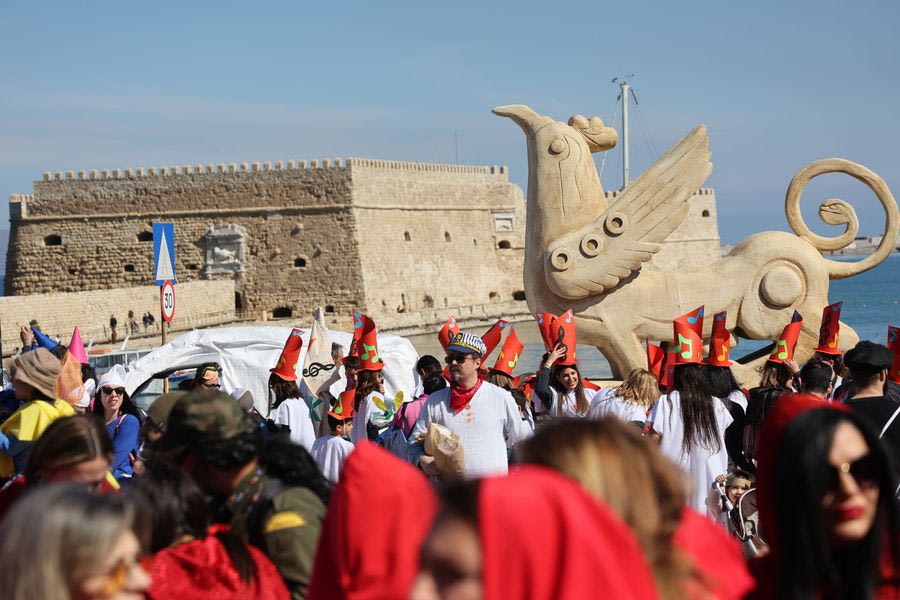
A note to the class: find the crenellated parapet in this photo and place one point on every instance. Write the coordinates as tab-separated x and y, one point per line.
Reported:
267	166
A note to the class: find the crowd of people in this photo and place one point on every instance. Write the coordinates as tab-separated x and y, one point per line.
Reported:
678	482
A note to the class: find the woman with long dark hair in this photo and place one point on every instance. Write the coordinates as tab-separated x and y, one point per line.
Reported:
724	386
826	506
122	420
369	392
187	556
291	410
692	424
559	386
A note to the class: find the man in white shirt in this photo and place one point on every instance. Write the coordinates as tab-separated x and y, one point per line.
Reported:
480	413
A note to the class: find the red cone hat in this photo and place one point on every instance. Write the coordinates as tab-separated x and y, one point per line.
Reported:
668	372
656	359
784	345
492	337
719	342
447	332
894	345
287	363
359	321
689	338
343	408
830	330
509	353
367	349
562	331
544	320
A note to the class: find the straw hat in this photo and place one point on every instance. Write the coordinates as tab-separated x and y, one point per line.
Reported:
39	369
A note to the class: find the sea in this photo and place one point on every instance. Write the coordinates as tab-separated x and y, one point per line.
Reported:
871	303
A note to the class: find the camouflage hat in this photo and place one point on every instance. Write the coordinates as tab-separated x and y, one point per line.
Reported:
201	417
162	407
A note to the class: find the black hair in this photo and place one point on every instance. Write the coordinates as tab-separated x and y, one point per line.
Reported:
351	362
59	351
198	374
293	465
837	362
863	378
816	376
428	364
282	389
433	383
698	413
801	479
720	380
169	506
87	372
127	408
333	422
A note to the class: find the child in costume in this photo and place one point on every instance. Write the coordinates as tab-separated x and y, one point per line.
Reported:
330	451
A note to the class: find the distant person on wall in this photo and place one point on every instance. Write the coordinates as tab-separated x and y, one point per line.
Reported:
132	322
122	421
113	323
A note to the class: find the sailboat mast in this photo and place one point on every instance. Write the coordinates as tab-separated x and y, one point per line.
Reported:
625	90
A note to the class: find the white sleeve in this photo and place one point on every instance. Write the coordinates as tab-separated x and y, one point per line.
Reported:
657	418
514	427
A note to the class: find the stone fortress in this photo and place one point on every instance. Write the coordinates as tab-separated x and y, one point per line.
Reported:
407	243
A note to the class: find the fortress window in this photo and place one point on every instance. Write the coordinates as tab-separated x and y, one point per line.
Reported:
282	312
446	236
300	262
428	301
145	236
406	237
238	302
129	268
53	240
475	242
329	309
705	213
504	245
192	266
493	296
519	295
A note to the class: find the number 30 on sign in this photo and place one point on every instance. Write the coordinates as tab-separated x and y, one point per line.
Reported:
167	299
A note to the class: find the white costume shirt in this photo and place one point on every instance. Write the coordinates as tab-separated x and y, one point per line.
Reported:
606	403
701	464
566	408
376	410
294	413
738	397
329	452
482	426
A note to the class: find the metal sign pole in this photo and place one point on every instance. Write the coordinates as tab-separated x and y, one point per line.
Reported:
162	328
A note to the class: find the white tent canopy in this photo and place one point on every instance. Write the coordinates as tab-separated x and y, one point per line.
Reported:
247	353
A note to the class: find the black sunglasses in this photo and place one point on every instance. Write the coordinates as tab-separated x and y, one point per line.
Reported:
109	391
457	358
865	471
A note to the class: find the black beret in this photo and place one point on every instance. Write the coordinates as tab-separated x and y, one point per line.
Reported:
868	356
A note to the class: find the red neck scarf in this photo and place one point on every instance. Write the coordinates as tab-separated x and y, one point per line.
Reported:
460	396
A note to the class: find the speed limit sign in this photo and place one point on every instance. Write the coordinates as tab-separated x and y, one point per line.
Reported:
167	298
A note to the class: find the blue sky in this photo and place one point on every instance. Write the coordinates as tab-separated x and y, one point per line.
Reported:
779	84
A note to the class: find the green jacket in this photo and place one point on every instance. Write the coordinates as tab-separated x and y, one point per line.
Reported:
286	526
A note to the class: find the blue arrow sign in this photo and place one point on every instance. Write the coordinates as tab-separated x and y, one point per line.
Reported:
163	253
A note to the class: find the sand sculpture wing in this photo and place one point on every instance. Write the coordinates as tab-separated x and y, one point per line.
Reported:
594	259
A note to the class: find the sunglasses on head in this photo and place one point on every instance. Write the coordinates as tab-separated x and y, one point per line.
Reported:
119	391
457	358
864	471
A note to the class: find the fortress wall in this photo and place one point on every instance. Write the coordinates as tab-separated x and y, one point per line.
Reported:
75	235
431	238
199	303
696	241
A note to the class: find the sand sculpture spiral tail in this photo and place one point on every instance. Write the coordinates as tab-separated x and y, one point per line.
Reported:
838	212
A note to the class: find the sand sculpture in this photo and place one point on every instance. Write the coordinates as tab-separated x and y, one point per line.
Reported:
586	253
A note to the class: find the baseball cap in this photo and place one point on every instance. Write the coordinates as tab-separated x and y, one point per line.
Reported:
200	418
466	343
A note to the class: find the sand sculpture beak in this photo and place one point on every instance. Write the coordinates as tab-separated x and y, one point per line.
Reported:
523	115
